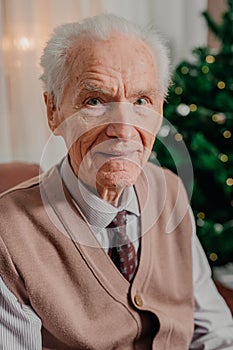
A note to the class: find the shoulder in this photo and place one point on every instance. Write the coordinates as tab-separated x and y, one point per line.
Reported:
24	214
156	170
167	188
162	177
24	200
162	195
19	194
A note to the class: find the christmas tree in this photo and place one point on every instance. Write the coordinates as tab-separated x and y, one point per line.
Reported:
200	107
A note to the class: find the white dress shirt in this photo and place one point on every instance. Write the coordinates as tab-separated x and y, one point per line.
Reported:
20	326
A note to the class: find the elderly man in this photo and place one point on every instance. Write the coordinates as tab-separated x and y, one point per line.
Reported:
100	252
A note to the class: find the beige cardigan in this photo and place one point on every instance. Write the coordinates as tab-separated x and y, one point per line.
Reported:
82	299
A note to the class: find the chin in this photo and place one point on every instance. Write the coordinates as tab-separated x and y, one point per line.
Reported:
117	180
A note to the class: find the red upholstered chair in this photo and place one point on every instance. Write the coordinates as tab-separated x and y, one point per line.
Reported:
12	174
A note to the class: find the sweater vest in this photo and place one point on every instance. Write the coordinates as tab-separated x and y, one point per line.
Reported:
51	260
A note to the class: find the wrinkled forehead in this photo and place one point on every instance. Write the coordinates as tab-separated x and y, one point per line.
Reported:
119	52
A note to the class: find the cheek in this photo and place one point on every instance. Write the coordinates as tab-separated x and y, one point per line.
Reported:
82	146
75	157
147	140
80	152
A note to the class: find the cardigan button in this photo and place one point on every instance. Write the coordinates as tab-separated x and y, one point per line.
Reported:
138	300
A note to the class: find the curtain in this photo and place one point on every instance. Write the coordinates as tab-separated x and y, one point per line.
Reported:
25	25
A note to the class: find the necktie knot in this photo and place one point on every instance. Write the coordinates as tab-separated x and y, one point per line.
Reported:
119	220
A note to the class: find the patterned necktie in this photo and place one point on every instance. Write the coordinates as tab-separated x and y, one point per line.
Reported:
123	253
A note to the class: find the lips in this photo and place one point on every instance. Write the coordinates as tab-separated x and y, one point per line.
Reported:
117	148
117	154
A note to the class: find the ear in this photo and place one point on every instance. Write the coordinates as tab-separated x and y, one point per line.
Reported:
51	110
161	102
160	112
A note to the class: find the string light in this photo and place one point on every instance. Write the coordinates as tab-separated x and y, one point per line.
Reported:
219	118
22	43
183	109
200	222
227	134
221	85
213	257
229	181
218	227
178	90
205	69
201	215
178	137
193	107
184	70
164	131
223	157
210	59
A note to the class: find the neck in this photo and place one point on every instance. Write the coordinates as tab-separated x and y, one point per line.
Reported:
110	195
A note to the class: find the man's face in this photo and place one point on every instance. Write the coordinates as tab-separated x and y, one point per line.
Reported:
118	76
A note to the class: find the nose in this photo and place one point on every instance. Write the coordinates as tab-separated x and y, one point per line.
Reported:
121	130
121	125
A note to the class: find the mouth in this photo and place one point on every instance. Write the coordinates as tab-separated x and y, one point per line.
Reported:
116	154
117	150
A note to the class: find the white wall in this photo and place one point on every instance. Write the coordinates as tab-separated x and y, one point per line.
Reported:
180	21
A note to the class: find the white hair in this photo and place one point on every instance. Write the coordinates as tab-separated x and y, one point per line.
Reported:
54	59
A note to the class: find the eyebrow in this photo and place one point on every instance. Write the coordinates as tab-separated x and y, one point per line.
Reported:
90	87
95	88
145	92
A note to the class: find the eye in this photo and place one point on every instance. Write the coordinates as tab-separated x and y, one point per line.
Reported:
142	101
94	102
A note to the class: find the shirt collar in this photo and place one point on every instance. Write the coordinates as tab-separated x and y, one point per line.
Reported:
98	212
